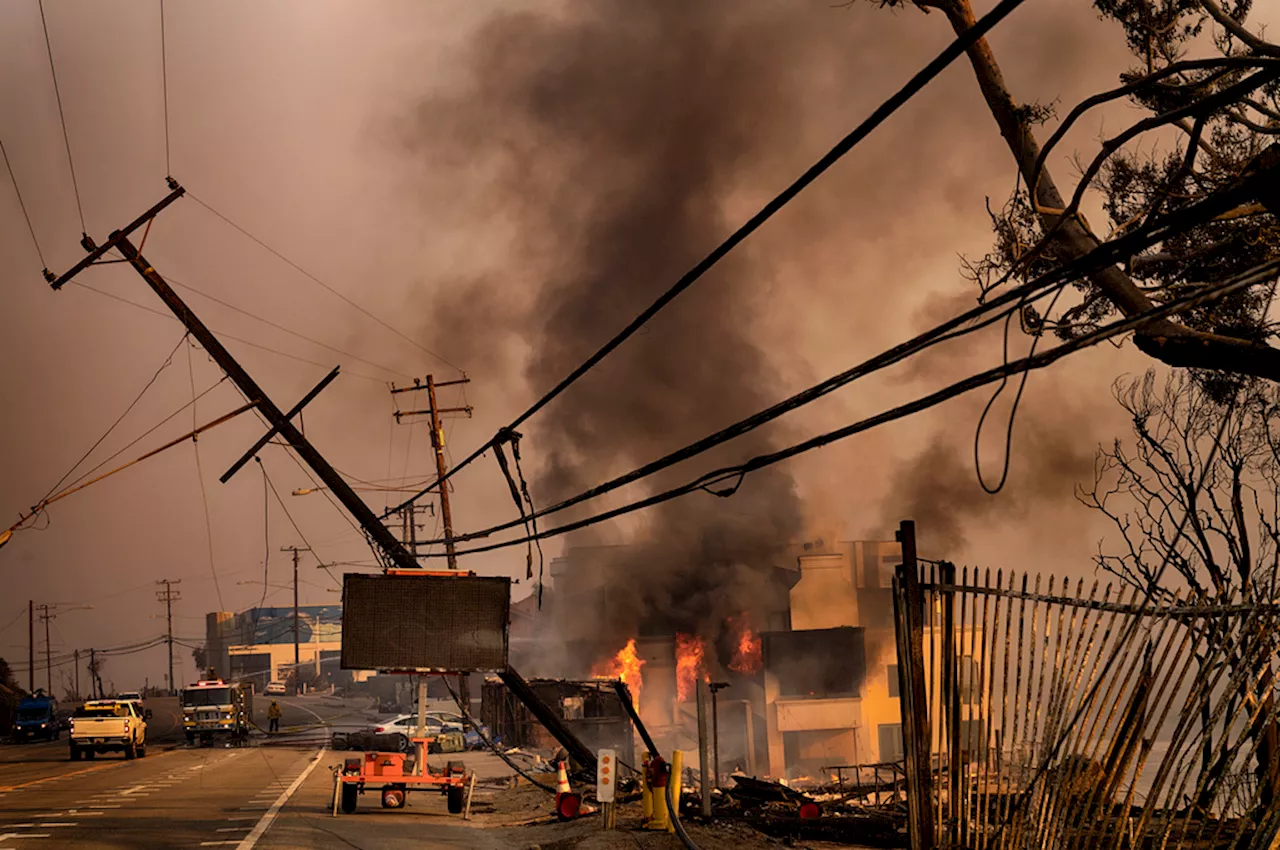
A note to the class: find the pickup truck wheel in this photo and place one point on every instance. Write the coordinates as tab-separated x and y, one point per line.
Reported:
131	751
142	751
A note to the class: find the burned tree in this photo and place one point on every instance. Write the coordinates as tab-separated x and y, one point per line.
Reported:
1196	503
1225	110
1198	490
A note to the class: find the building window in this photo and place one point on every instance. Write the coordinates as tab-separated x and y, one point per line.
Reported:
890	741
818	663
893	681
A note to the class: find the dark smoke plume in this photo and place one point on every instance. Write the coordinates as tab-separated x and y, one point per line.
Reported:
615	144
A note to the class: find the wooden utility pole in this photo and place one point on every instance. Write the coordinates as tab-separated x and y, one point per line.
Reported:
76	653
434	410
279	421
48	666
297	661
31	646
168	597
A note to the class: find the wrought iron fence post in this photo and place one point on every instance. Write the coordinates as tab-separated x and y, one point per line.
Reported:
908	602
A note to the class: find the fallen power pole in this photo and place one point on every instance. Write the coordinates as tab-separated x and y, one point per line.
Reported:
280	422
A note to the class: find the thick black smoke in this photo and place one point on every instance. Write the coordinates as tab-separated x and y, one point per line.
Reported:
613	145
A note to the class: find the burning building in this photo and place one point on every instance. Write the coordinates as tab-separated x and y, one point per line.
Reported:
809	657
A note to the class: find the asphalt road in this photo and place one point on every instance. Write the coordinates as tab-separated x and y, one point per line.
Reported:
275	793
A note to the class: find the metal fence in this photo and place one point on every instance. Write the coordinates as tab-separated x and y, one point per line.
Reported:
1045	713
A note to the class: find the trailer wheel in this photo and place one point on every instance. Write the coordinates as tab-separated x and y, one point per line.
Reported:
349	797
457	796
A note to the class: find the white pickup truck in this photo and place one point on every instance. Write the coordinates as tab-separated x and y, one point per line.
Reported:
102	726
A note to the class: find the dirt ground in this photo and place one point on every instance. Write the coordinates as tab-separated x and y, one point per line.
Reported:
523	815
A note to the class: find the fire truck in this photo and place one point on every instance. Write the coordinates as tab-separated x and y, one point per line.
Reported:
212	708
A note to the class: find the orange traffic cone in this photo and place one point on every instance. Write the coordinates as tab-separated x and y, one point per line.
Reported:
567	802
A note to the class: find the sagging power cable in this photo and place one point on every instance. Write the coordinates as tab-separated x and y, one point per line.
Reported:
725	481
62	117
886	109
1006	304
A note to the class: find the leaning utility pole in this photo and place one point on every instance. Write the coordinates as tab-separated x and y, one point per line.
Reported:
296	659
168	597
437	443
281	422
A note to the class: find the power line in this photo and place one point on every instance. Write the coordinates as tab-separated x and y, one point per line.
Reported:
151	430
913	86
326	286
164	365
62	117
164	76
1008	302
23	205
280	327
204	495
285	508
225	335
729	479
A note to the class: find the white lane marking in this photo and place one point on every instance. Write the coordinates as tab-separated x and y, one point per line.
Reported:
216	843
106	806
28	835
135	789
65	823
230	828
260	830
50	815
17	826
76	813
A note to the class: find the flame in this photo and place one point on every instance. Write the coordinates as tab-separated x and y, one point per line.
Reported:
747	654
625	665
690	650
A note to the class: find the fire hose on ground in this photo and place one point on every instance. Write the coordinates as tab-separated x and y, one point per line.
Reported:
483	737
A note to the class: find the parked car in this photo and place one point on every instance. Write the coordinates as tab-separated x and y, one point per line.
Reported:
439	723
276	688
37	717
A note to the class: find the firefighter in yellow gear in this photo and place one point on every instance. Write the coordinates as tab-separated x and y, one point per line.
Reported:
273	715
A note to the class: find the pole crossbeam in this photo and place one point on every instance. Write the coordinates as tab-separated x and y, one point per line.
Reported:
276	418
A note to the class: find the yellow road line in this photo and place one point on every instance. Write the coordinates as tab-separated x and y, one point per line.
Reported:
82	770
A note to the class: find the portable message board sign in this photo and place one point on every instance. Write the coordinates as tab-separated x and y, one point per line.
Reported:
427	623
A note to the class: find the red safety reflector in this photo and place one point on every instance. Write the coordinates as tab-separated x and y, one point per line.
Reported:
810	811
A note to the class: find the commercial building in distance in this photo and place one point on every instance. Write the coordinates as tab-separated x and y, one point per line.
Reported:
257	645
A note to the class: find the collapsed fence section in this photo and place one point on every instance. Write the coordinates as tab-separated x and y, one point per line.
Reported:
1043	713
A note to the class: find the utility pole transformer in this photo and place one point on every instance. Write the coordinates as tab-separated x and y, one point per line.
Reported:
297	661
168	597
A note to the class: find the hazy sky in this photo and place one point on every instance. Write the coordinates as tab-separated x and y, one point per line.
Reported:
304	122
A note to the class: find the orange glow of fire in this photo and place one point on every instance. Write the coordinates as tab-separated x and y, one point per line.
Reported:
747	654
625	666
690	650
